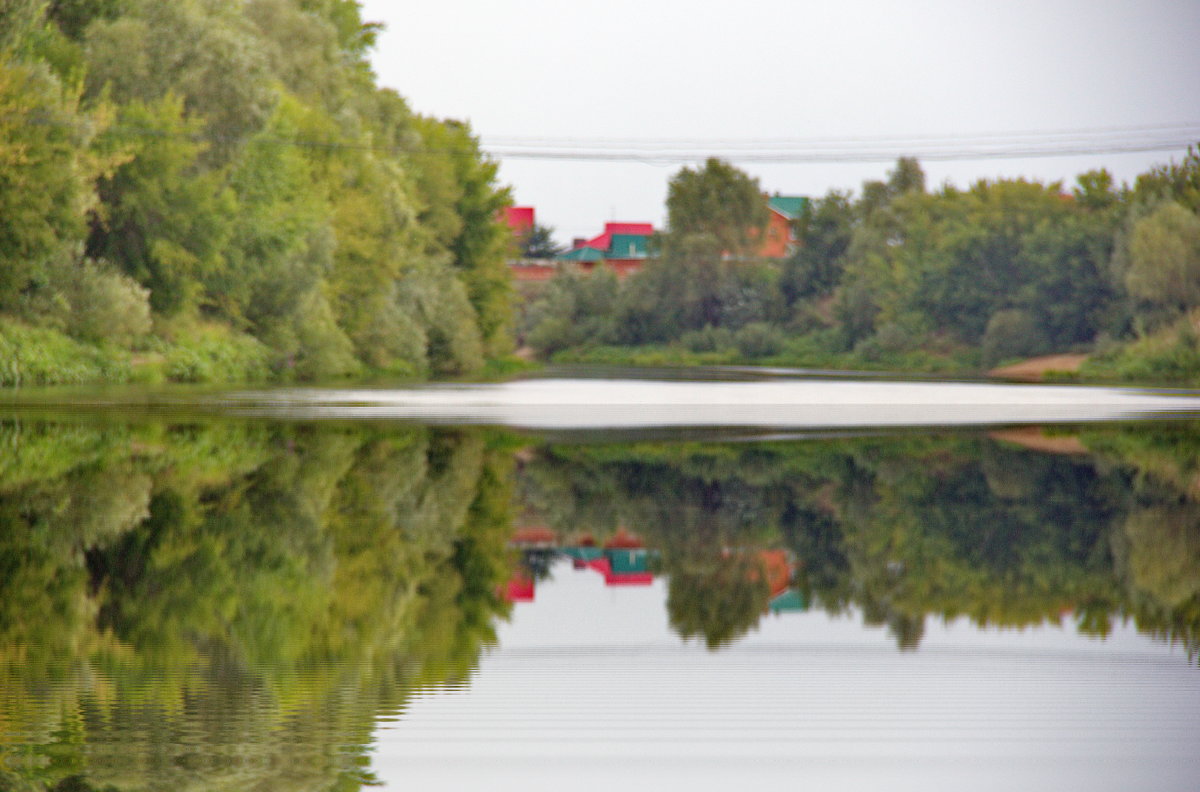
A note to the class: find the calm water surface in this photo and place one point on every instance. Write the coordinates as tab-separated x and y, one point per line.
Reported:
581	583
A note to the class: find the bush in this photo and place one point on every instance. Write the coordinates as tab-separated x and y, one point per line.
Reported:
1171	355
709	339
1010	334
106	305
214	353
758	340
33	356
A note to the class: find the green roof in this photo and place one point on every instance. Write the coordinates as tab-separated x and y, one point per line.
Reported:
582	254
790	206
627	561
627	246
790	600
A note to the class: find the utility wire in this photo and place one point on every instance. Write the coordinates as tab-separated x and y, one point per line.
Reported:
1000	145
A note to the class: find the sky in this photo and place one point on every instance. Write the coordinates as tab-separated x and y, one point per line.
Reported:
669	80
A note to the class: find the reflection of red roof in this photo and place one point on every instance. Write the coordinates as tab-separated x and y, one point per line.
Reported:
534	535
519	589
623	540
778	568
611	578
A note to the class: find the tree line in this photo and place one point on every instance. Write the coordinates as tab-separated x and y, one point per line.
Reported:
271	588
218	190
901	529
902	276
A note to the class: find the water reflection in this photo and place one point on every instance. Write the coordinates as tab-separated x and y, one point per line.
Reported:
238	604
1012	529
231	605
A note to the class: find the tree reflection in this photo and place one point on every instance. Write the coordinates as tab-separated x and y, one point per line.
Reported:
1000	531
231	605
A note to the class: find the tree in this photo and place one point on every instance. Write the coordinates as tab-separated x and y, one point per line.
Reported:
720	201
1164	258
165	223
823	232
539	243
46	169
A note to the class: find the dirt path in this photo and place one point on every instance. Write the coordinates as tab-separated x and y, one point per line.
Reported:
1035	369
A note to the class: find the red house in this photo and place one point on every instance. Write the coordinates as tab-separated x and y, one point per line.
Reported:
622	246
779	239
520	219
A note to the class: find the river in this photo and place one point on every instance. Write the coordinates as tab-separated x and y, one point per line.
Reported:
571	581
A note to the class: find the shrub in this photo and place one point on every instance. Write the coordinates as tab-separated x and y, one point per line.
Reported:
758	340
708	339
32	356
106	305
213	353
1012	333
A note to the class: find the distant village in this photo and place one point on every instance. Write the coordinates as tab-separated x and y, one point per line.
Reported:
625	247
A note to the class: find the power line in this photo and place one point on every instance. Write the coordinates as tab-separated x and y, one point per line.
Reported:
1028	144
1190	128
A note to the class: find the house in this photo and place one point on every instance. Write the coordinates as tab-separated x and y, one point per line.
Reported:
520	220
779	240
623	247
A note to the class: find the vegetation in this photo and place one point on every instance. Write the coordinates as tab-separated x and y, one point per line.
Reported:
217	190
900	277
902	529
270	591
273	590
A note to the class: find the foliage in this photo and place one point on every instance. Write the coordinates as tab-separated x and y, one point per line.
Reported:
539	243
286	583
1164	258
42	356
1012	333
236	164
758	340
720	201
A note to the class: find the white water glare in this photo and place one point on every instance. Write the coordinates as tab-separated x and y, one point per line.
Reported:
615	404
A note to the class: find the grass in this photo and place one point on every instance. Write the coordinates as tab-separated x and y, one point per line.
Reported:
33	356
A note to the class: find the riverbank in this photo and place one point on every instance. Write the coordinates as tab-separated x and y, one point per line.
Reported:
202	353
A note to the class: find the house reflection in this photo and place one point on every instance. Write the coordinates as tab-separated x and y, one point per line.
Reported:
623	559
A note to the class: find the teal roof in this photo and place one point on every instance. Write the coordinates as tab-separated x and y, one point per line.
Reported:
627	561
627	246
790	206
790	600
583	553
582	254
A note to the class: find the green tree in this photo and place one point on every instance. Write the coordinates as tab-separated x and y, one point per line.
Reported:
718	200
1164	258
823	230
45	172
166	222
539	243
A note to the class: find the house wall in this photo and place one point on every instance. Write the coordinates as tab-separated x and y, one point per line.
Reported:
778	237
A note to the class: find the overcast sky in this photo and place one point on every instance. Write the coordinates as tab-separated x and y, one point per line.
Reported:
712	76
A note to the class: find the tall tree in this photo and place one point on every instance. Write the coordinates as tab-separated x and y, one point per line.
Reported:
720	201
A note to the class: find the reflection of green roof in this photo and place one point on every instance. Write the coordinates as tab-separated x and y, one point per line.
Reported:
583	553
790	600
626	561
582	254
790	206
627	246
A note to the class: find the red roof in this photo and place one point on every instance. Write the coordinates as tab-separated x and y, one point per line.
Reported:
534	534
604	567
623	540
645	229
604	241
519	589
518	218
